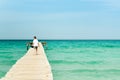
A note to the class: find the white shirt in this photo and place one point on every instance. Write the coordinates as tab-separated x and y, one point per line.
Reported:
35	42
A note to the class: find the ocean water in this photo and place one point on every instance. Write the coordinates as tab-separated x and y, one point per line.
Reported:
70	59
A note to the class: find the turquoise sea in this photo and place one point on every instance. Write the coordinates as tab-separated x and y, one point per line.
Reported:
70	59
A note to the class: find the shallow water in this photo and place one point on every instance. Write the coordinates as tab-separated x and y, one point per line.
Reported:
70	59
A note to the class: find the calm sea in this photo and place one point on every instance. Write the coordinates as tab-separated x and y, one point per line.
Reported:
70	59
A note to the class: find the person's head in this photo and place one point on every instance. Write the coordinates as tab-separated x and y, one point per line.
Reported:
35	37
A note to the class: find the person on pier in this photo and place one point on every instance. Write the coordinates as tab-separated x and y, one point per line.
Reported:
35	44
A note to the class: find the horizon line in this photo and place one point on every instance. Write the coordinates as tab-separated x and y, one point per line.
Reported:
61	39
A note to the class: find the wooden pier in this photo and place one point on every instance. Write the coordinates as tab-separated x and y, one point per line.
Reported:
31	67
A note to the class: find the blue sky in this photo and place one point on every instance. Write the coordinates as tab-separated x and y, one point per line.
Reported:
60	19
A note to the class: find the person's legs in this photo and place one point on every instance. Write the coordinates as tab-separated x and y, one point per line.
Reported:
36	50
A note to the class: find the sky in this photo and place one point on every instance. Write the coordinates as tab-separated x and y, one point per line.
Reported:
60	19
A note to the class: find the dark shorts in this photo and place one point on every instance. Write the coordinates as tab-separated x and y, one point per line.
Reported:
35	47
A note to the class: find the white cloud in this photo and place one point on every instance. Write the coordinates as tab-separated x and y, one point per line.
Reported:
110	3
113	3
24	16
